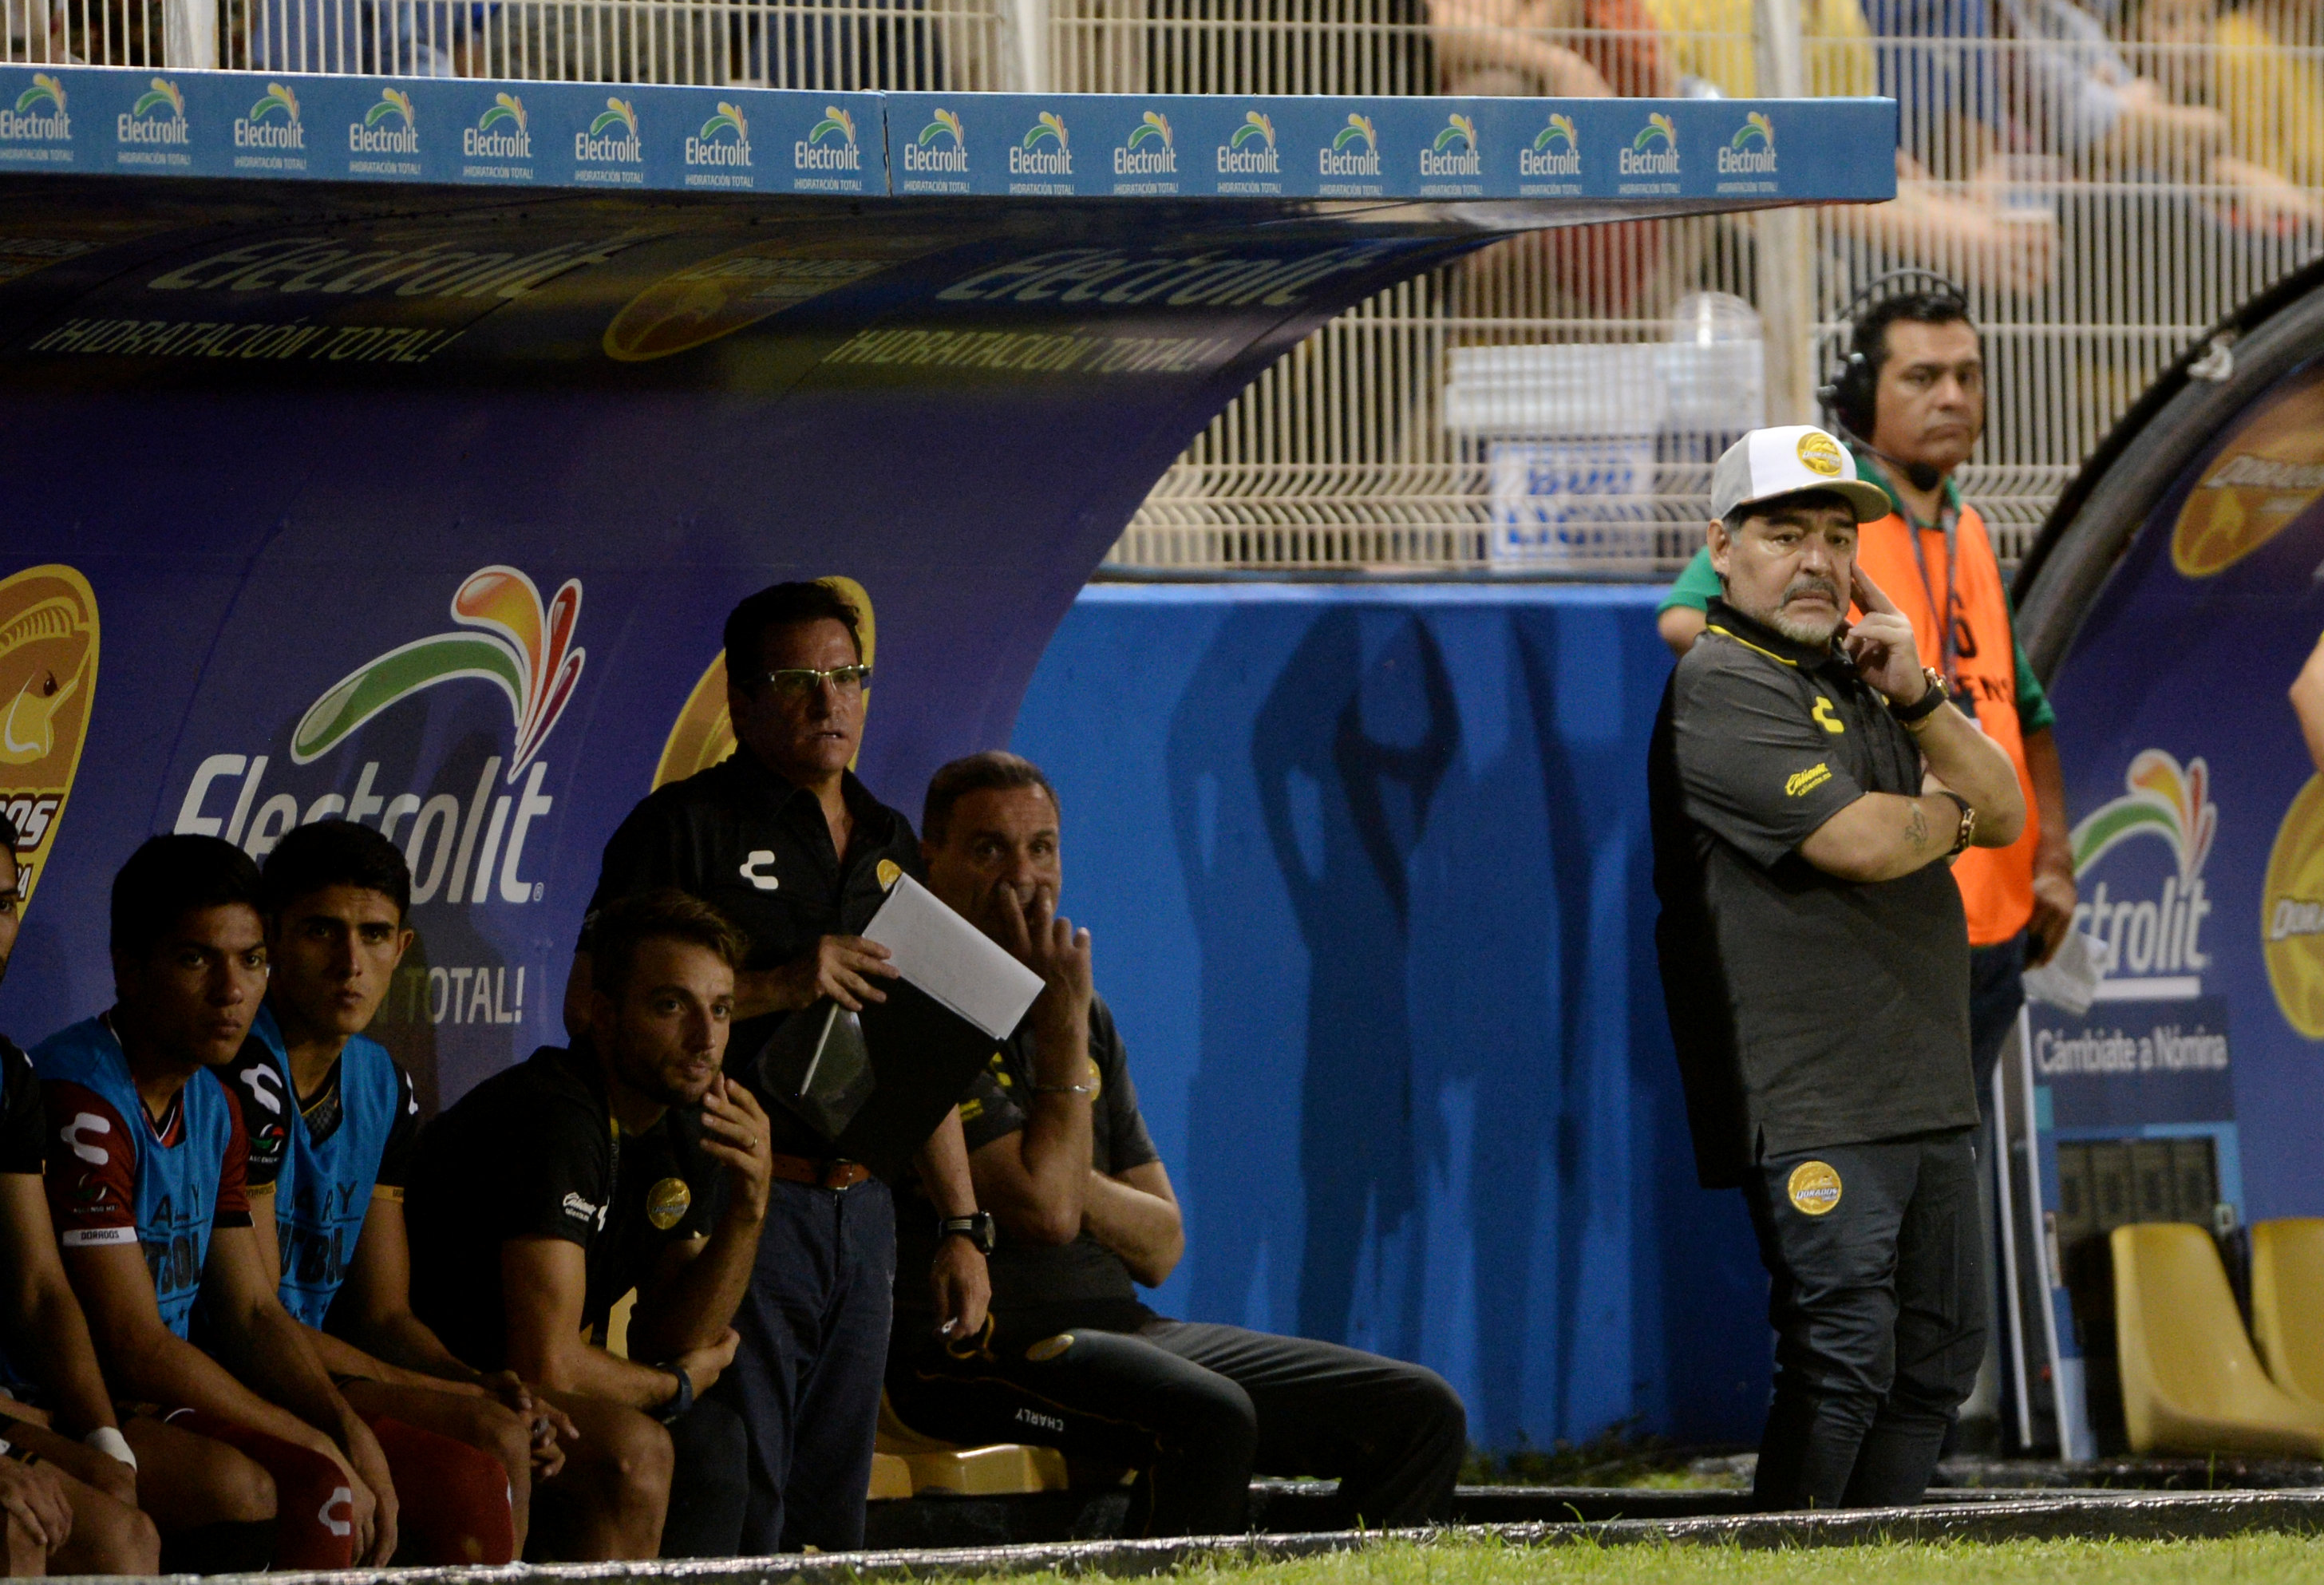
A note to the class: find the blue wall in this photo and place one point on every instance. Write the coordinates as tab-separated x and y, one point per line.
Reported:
1369	875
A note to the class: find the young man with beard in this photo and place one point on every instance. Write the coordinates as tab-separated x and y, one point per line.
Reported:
627	1161
1060	1154
1809	783
146	1178
330	1119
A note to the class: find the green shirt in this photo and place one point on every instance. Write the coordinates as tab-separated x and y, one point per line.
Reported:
1698	584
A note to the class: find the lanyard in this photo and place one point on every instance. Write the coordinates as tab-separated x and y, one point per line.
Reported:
1949	519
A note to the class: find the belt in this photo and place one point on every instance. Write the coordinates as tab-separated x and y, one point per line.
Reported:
821	1175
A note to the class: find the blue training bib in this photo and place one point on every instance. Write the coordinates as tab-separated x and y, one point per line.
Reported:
323	1192
177	1185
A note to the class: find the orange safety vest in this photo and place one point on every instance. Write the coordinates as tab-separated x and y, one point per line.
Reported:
1996	884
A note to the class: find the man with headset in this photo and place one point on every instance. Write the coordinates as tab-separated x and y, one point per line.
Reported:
1911	401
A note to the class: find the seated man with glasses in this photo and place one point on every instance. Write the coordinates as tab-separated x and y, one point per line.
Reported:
781	838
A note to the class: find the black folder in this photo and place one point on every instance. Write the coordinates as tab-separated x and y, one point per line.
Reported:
921	1057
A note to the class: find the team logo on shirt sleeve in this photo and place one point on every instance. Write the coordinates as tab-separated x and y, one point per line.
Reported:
668	1202
1801	783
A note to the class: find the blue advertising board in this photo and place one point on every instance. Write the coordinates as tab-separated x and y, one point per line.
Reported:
622	137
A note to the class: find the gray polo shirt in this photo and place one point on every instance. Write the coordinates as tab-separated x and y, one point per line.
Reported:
1808	1010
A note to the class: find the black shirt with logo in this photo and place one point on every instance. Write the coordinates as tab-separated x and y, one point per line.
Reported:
533	1152
760	851
1808	1010
1045	1287
23	1137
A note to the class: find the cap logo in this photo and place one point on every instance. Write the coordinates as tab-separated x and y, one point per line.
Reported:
1820	454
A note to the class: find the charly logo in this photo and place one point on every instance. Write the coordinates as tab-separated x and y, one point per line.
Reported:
613	138
2268	472
273	122
1556	149
1044	150
391	126
940	150
829	144
39	114
1151	151
508	639
1250	152
1342	158
1655	150
2161	933
1455	151
47	678
502	132
159	116
703	732
1751	152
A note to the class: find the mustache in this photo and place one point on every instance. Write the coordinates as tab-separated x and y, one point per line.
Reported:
1812	584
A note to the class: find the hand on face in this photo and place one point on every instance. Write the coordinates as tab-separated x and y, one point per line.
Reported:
666	1033
1046	942
1881	644
735	1132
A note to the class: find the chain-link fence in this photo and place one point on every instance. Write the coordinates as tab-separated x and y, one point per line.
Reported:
2103	185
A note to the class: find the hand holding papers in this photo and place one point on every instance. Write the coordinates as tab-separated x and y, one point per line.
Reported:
952	960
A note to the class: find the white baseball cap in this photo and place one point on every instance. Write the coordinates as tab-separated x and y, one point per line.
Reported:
1785	461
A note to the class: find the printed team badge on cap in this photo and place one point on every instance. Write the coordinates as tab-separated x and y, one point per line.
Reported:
1814	1188
1820	453
48	676
667	1203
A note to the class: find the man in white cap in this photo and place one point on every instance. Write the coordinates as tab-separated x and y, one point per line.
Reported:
1810	783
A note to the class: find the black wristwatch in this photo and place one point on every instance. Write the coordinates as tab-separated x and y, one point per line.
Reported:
1930	701
681	1400
977	1227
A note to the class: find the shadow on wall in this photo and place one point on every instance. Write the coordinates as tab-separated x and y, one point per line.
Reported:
1429	1105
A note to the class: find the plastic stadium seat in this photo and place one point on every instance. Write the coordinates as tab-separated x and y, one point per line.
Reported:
2287	1276
891	1478
1003	1469
2190	1383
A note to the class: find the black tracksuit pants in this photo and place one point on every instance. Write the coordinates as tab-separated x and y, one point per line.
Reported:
1196	1409
1878	1303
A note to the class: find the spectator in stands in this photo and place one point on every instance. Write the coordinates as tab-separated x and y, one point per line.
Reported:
1808	781
785	840
146	1157
1073	1359
1565	49
1912	400
2270	78
1711	44
330	1119
626	1162
75	1511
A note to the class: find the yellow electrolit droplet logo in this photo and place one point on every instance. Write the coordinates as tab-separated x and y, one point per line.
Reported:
1814	1188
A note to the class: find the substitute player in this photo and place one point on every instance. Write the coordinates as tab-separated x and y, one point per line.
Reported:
330	1119
146	1157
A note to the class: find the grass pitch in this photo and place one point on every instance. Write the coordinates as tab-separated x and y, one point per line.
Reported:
2252	1560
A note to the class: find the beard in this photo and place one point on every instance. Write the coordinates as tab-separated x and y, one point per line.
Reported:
1813	631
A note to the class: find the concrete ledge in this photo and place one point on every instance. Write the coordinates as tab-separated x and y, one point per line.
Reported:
2142	1516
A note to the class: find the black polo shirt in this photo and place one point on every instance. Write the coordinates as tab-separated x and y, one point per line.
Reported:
533	1153
1808	1010
760	851
1045	1287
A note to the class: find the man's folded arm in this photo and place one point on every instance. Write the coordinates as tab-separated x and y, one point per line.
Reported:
1135	1214
547	1284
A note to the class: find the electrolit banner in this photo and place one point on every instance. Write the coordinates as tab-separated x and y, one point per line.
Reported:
477	132
2199	818
427	514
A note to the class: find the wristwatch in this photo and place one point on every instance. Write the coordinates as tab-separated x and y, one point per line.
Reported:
1927	704
679	1401
1968	831
978	1227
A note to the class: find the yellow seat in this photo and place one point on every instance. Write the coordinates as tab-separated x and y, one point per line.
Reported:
891	1477
2190	1383
1003	1469
2288	1304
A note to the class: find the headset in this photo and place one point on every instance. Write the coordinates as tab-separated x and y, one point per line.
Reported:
1849	394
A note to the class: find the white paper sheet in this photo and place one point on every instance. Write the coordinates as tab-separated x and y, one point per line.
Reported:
952	960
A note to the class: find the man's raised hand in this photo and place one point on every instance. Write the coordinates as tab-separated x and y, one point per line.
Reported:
1881	644
1046	942
735	1132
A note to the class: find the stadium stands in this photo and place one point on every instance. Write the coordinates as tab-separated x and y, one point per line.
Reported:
2191	1382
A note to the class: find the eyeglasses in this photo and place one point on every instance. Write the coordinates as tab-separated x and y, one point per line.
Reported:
800	682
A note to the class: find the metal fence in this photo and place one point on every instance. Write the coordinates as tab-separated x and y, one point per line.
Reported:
2104	187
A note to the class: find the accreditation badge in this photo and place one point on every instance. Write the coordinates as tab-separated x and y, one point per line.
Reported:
1814	1188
